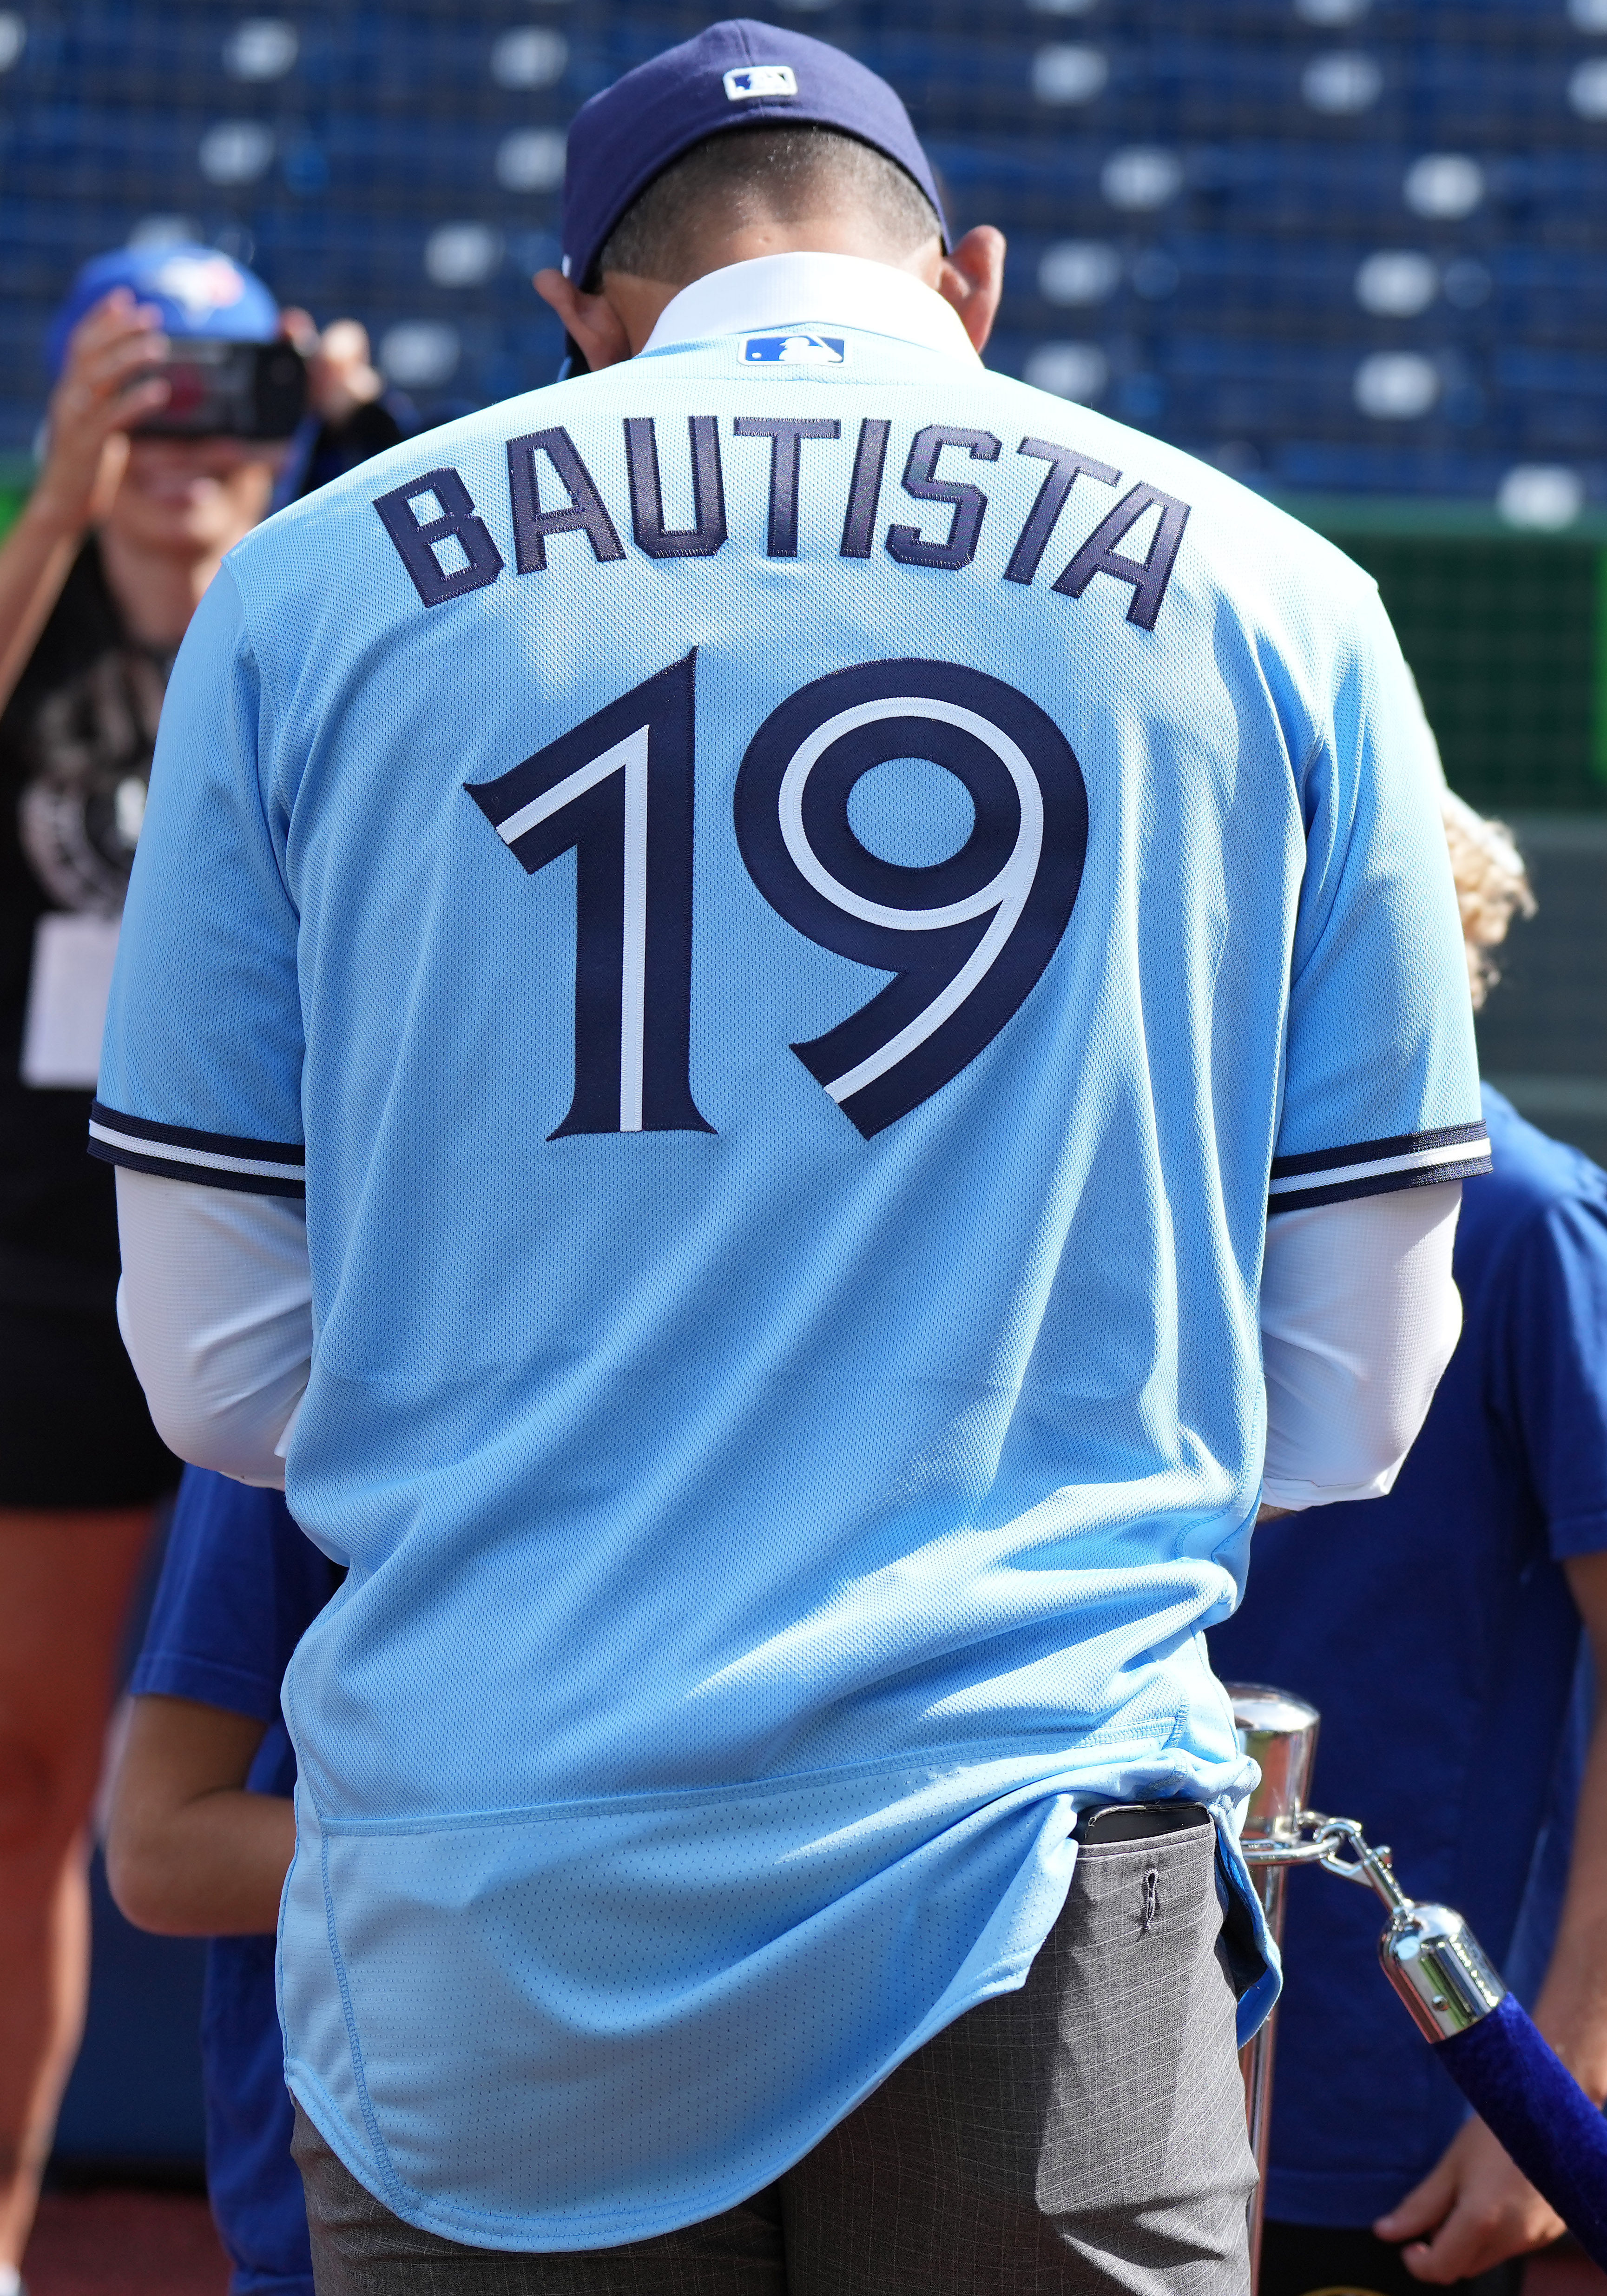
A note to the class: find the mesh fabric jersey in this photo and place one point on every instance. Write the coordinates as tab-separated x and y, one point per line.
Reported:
797	897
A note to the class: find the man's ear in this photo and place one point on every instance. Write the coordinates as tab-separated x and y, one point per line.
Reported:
590	319
972	279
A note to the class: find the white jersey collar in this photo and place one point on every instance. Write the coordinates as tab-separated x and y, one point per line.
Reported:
783	291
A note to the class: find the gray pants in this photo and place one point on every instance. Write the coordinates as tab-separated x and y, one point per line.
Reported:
1085	2134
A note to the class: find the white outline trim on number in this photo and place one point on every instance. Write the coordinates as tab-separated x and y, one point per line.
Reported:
1006	893
629	755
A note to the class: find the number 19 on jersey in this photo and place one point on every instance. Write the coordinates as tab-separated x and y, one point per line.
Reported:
965	938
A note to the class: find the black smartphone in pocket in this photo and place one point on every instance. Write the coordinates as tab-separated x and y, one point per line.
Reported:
1139	1821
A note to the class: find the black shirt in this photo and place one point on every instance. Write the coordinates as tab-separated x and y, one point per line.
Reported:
75	741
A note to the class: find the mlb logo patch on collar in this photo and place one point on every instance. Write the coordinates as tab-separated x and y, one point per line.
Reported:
744	81
794	350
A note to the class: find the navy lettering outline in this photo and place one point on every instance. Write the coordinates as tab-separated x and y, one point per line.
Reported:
1147	576
707	532
628	817
785	433
852	1060
459	519
858	527
583	514
904	542
1066	466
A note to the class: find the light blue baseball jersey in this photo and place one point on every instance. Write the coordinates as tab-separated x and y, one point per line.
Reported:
790	911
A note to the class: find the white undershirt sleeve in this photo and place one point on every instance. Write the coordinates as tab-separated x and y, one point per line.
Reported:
1359	1314
1358	1318
215	1311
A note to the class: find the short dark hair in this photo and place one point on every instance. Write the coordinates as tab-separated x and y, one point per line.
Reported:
776	174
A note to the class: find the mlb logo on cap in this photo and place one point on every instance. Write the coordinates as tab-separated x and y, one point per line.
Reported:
759	80
794	350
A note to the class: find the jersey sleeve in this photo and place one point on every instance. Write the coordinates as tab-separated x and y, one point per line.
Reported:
239	1585
201	1067
1554	1298
1380	1086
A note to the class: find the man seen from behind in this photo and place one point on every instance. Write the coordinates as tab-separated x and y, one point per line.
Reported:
726	962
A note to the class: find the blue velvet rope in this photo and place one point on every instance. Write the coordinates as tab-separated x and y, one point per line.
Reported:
1526	2094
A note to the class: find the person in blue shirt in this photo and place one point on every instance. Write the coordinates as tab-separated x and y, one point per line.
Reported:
1437	1630
201	1833
790	1026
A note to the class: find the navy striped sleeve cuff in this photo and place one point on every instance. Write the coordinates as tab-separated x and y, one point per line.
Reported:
259	1167
1378	1168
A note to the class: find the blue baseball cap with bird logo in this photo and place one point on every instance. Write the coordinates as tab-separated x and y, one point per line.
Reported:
200	293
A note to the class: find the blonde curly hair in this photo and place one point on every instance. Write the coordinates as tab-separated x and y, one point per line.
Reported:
1492	886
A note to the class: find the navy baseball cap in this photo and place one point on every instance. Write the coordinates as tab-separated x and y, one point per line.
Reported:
737	74
197	292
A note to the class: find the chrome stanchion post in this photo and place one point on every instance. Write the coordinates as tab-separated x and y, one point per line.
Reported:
1278	1732
1531	2103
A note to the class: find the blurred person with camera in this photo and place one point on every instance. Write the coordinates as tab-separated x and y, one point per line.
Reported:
1444	1634
181	401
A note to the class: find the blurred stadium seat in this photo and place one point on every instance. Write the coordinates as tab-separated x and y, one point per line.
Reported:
1353	251
1350	246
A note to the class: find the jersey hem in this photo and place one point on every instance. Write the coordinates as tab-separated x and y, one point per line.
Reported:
568	2231
217	1160
1359	1152
1471	1167
249	1182
574	2235
1377	1168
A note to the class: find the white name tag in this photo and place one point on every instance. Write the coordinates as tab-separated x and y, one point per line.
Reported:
67	993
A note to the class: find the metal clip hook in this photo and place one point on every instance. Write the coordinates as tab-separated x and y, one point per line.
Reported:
1429	1954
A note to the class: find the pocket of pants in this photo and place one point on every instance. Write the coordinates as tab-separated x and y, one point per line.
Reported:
1144	2100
